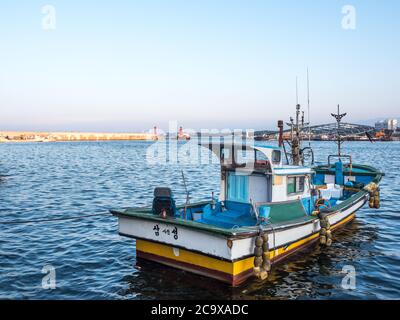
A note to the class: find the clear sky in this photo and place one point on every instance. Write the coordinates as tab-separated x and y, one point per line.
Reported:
128	65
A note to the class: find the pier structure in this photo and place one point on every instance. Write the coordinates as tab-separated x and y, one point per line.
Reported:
17	136
328	132
324	132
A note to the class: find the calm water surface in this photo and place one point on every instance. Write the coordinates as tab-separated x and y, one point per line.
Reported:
50	180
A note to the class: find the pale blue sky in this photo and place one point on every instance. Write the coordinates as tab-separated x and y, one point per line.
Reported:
128	65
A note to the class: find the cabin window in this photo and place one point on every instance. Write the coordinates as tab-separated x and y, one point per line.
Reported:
300	184
261	158
244	156
291	185
225	155
295	185
238	187
276	156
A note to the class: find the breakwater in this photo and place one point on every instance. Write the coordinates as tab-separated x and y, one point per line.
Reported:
25	136
57	180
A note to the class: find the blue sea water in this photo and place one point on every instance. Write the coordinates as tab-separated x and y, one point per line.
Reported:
57	180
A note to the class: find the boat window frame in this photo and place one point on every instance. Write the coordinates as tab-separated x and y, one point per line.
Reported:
226	159
233	158
247	151
297	189
276	152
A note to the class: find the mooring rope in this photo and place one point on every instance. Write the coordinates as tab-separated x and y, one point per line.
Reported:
54	219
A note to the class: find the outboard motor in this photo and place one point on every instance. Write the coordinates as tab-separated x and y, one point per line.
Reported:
163	202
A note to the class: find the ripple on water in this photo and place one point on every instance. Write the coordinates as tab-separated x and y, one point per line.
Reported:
92	262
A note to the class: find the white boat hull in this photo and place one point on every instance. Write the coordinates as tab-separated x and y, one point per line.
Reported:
224	257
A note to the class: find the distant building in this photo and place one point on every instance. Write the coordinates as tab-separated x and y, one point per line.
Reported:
396	135
388	124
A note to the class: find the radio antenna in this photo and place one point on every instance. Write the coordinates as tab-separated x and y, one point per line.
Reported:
308	106
338	118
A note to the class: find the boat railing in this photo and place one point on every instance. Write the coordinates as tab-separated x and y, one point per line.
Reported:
340	158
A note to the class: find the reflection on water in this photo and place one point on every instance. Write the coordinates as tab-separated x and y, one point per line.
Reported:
312	273
66	179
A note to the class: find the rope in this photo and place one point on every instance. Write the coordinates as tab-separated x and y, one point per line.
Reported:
273	232
52	220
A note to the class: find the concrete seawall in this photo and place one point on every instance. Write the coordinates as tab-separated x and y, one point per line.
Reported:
21	136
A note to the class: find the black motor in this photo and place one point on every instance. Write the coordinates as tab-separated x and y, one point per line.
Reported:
163	202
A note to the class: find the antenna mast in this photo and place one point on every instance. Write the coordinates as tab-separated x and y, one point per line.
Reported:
296	138
338	118
297	125
308	111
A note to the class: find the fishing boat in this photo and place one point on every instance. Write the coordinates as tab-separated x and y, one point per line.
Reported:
271	205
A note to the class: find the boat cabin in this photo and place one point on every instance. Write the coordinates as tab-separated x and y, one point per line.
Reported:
257	174
266	209
256	187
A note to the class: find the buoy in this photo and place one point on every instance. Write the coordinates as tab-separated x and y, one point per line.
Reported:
258	262
325	232
263	275
372	203
259	241
266	265
265	256
265	237
328	234
262	263
258	251
323	223
371	187
265	247
257	271
377	200
328	225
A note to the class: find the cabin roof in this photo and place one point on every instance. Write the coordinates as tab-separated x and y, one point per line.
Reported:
215	147
266	147
292	170
252	146
280	170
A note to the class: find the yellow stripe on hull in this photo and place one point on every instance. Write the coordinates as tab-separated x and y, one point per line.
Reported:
226	267
345	220
184	256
